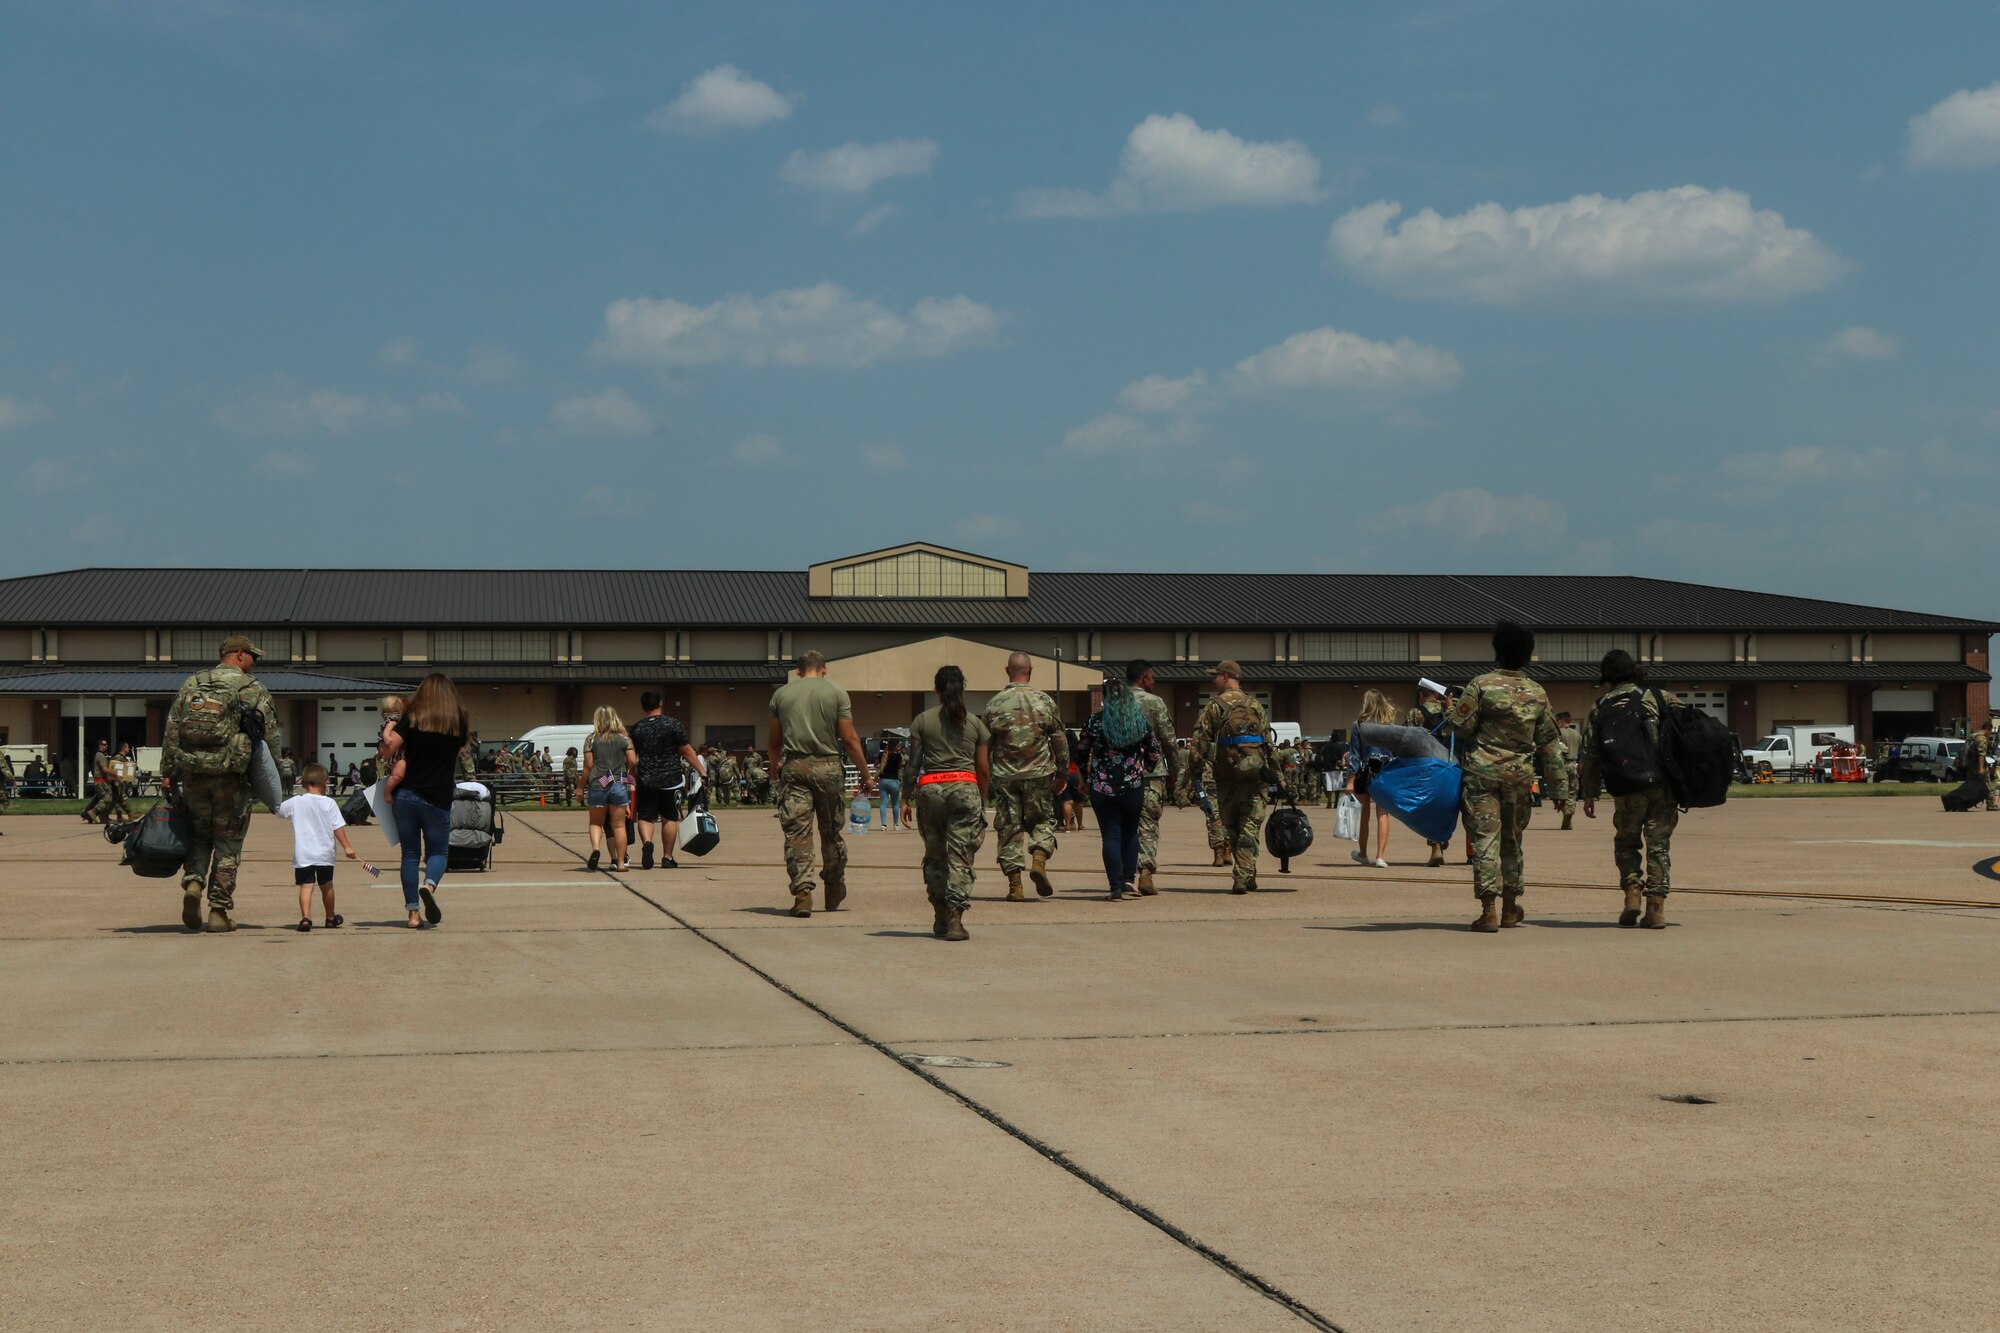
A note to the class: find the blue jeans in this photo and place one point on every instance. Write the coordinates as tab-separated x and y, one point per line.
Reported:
418	818
892	801
1118	823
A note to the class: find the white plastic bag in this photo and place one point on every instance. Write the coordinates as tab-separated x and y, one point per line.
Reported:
1347	817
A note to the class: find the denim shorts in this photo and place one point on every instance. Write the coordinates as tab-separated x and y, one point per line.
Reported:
601	797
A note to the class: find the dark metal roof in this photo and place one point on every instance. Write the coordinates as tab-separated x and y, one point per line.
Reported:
167	680
771	599
622	673
1457	673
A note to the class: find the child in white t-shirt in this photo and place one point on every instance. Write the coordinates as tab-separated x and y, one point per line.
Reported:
317	827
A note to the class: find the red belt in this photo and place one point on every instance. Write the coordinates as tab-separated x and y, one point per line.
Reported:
929	778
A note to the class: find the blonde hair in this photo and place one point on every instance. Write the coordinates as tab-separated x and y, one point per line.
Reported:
435	707
606	721
1377	707
393	705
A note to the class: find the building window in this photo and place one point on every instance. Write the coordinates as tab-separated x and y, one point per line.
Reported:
1581	646
918	574
492	645
1353	646
203	645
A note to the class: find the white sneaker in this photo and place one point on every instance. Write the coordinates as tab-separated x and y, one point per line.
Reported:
1381	864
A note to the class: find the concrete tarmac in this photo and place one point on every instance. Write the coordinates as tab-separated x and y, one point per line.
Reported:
653	1100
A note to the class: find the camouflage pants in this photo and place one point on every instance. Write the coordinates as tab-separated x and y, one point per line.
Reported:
813	792
1149	823
1217	839
1646	817
1239	813
953	824
1496	815
218	807
1575	784
725	790
1024	820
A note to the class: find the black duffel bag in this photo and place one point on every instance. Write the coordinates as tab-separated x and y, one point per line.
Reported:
157	845
1287	833
355	809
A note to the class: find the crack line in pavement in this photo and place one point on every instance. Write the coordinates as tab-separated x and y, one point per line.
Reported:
412	1055
1053	1155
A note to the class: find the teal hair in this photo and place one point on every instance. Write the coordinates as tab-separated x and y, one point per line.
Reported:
1125	723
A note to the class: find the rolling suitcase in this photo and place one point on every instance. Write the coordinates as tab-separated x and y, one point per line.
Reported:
1968	795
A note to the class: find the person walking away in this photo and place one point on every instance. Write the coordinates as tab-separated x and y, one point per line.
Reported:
572	776
1976	759
1193	789
1429	714
1572	741
1118	753
1233	739
1367	762
889	778
949	753
205	753
100	783
317	829
123	769
1029	748
288	774
756	779
6	784
1139	675
1506	731
727	789
420	787
608	761
662	746
812	721
1625	725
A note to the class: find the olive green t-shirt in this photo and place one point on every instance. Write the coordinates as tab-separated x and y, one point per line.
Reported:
941	747
809	709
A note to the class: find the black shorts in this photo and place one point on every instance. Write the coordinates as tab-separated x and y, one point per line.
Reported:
312	874
659	804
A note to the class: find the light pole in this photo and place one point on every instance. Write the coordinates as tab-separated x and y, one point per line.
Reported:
1056	639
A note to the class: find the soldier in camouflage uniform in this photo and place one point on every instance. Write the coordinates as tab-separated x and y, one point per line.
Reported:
1505	730
756	778
1028	748
206	755
1572	740
100	781
288	772
6	780
1641	818
812	722
1979	760
725	773
949	754
1429	714
1195	789
1139	675
121	790
569	776
1233	741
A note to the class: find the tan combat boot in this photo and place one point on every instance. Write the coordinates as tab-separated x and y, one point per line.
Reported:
1489	917
191	906
954	924
1630	916
1145	885
1656	912
939	916
836	893
1510	910
219	922
802	903
1038	871
1014	890
1222	856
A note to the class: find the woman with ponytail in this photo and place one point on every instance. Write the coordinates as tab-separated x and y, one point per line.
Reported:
948	760
1117	751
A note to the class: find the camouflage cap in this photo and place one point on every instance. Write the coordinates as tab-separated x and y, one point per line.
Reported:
1230	668
239	644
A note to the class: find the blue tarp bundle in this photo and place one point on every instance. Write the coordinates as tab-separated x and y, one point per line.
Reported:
1422	793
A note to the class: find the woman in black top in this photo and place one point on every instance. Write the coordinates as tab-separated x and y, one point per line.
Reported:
432	731
889	777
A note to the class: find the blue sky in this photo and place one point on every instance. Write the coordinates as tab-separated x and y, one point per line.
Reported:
1696	291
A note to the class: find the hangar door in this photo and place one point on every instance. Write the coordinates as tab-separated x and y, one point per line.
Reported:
348	730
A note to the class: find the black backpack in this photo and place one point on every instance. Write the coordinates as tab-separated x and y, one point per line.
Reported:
1625	756
1287	833
1698	754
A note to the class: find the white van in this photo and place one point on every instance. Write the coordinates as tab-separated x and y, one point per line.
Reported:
1928	758
1286	731
556	740
1795	748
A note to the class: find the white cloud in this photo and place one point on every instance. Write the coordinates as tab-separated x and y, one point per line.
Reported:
856	168
398	353
1961	132
286	409
1115	434
1327	360
874	218
1384	116
608	412
286	464
1764	471
1173	165
883	458
444	404
1687	244
491	365
826	325
759	451
723	98
1859	343
16	413
1473	515
51	476
1158	395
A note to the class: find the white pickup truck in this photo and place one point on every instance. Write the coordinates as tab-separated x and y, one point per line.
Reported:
1790	749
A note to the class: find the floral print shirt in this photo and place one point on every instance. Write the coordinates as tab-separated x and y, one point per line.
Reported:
1108	771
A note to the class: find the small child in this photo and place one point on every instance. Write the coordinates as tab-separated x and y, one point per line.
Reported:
316	827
